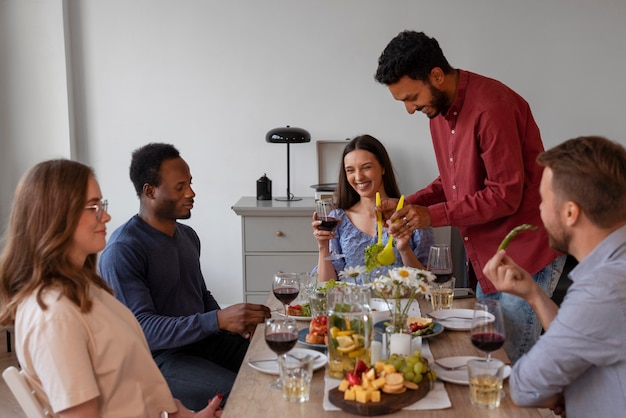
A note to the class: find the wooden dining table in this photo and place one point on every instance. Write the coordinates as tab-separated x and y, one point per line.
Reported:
252	396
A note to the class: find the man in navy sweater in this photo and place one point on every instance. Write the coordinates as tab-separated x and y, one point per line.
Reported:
152	262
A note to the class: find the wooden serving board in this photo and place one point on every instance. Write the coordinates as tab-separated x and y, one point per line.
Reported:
387	405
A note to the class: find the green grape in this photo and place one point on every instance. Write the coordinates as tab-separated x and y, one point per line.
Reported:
418	368
410	376
411	359
418	378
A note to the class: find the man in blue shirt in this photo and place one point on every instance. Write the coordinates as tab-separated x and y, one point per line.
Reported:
579	364
152	262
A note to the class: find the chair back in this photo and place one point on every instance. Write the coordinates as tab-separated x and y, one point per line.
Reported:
17	383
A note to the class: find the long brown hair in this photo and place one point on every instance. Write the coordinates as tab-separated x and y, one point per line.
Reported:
345	195
48	203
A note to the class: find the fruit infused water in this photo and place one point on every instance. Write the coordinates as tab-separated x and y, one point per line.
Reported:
350	329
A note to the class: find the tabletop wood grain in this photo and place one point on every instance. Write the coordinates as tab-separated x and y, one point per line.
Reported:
252	397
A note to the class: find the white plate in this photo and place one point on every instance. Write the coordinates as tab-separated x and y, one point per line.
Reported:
458	376
268	363
462	320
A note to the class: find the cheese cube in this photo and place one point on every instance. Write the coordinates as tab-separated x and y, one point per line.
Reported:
349	395
343	385
376	396
363	396
388	368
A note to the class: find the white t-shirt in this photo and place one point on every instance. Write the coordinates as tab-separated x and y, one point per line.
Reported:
70	357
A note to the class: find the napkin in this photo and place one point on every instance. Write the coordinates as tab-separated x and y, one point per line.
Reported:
437	398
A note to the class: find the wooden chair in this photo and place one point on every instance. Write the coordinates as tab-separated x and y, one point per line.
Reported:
17	383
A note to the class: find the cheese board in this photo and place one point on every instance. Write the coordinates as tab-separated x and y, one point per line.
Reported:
388	403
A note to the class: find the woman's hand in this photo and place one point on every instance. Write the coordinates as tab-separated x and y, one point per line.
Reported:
322	237
212	410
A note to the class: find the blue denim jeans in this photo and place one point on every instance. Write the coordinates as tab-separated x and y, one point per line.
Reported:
522	326
197	372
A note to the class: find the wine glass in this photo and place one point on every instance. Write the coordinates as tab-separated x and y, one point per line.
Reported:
286	287
440	264
281	336
487	332
326	212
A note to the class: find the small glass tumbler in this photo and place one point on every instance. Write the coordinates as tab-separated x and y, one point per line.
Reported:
296	374
442	294
485	382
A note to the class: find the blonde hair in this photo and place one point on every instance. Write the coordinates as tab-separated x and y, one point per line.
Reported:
48	203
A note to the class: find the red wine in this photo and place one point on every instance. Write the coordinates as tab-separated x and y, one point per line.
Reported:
281	342
442	276
328	223
487	341
286	294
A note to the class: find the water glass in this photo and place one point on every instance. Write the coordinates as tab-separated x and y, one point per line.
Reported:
485	382
296	374
442	294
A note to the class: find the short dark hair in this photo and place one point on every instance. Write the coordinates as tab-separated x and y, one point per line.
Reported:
345	195
590	171
145	165
410	54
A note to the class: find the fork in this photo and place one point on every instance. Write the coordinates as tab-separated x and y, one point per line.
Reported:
460	366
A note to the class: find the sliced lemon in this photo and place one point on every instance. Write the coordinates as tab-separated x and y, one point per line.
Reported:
359	340
345	333
334	332
357	353
347	349
344	341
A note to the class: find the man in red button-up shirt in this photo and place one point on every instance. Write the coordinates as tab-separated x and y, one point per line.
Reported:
486	143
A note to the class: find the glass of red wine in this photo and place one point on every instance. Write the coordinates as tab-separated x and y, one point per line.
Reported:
286	287
487	331
327	213
281	336
440	264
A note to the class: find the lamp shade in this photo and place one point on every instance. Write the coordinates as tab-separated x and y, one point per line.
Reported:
288	135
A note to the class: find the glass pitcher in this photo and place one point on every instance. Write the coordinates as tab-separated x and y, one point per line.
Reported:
350	329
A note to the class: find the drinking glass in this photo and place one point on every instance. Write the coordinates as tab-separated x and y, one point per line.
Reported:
326	212
440	264
487	331
286	287
281	336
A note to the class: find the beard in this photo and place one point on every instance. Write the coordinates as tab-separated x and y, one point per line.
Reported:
440	102
559	239
168	210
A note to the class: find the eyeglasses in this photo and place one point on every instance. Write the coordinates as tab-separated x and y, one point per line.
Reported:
99	208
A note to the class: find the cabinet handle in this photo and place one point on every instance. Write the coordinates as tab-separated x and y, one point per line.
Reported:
279	233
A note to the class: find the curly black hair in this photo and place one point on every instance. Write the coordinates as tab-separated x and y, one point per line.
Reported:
145	165
410	54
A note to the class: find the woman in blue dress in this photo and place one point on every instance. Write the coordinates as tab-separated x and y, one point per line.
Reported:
365	170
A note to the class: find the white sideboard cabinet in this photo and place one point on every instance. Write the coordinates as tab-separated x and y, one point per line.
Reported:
276	236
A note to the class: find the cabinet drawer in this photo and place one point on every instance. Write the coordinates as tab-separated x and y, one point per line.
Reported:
289	233
260	269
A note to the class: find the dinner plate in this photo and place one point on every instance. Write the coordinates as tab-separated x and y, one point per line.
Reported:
267	362
379	328
454	319
302	340
459	376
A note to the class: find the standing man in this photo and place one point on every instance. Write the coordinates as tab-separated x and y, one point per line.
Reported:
486	142
582	355
152	262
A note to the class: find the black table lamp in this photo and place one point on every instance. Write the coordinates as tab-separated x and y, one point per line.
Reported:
288	135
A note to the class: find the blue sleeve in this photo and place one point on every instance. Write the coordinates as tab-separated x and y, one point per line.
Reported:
422	239
125	270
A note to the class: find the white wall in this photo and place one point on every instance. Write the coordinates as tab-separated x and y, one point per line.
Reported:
213	77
